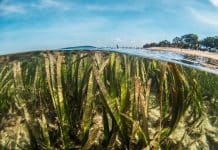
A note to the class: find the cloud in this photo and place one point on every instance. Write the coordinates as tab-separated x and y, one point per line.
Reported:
7	9
58	34
63	27
42	4
214	2
116	8
206	17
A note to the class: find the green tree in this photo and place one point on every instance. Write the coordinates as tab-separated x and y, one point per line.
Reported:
177	42
164	43
208	42
150	45
190	41
216	42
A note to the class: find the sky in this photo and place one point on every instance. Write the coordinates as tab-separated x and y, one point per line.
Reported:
51	24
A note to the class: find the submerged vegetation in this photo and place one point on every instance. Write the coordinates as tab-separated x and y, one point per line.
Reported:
102	100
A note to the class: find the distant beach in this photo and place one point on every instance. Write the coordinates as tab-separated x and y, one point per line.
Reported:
187	52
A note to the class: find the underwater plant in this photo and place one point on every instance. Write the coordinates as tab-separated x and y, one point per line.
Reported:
104	100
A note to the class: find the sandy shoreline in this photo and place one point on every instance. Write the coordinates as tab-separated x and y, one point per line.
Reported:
187	52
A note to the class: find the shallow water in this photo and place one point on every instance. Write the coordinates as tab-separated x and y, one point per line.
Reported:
190	61
200	63
74	99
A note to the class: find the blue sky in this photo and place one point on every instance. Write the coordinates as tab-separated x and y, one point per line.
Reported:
47	24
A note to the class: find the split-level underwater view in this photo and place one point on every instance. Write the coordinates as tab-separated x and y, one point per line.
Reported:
108	74
89	99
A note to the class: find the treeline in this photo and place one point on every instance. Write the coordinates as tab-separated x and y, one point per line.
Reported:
189	41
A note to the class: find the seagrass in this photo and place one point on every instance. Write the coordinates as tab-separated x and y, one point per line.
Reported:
98	100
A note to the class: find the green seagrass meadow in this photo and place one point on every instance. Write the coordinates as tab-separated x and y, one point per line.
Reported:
104	100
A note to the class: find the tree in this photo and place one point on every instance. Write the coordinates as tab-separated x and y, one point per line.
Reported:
208	42
216	42
164	43
190	41
177	42
150	45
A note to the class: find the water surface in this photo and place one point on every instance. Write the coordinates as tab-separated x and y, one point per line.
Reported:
200	63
